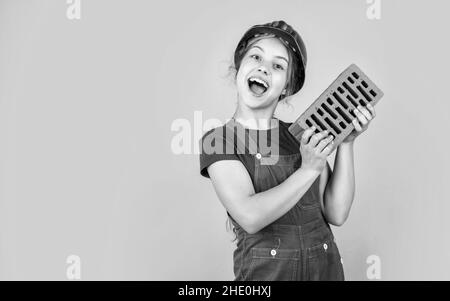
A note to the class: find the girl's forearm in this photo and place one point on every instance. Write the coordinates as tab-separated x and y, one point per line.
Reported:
269	205
340	190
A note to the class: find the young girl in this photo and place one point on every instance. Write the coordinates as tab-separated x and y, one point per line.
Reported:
280	209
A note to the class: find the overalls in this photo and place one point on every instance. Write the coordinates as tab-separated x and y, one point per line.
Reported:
299	245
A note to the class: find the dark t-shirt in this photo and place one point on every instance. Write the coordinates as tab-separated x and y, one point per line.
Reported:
286	145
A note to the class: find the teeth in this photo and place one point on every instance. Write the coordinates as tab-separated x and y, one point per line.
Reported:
259	81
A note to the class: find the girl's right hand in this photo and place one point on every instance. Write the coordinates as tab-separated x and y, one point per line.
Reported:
315	149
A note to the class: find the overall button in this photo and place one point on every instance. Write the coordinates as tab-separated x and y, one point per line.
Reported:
342	262
325	246
273	252
258	156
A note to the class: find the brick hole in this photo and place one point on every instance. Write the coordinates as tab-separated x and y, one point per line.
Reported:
340	100
365	85
320	111
354	103
366	96
318	122
333	126
343	115
329	111
352	92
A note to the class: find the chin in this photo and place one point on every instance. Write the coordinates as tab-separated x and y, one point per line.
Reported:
256	102
253	103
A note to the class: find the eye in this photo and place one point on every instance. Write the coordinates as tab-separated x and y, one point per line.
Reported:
278	67
255	56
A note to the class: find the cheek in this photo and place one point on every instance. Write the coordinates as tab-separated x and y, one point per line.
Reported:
244	69
240	78
279	80
246	66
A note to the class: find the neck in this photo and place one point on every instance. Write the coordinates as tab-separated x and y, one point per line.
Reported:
260	119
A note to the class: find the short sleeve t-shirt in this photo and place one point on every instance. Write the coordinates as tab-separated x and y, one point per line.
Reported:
222	144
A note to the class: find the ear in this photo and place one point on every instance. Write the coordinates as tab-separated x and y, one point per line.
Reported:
282	95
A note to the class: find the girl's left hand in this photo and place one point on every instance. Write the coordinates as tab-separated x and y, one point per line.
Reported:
364	116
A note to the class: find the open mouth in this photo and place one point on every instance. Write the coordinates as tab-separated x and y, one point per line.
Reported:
257	85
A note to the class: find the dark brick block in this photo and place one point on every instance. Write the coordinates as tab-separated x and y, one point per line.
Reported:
333	110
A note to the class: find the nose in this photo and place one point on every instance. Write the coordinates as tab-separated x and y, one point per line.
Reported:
263	69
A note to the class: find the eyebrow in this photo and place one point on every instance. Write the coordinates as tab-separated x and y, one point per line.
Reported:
279	57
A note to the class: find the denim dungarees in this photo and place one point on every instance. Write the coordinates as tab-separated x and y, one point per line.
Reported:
298	246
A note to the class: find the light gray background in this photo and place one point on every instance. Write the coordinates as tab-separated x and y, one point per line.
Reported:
86	108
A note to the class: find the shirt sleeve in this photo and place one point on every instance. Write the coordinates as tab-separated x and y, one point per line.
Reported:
215	146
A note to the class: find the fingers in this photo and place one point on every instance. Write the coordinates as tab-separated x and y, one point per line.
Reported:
307	134
328	141
371	109
363	116
327	150
358	127
365	112
316	138
360	116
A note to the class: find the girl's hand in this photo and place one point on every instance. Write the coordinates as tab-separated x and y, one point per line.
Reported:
315	149
363	117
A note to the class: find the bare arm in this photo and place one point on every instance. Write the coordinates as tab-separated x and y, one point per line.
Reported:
253	211
338	187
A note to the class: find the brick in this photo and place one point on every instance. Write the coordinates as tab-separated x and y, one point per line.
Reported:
333	109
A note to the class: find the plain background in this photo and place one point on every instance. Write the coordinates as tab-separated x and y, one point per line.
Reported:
86	109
